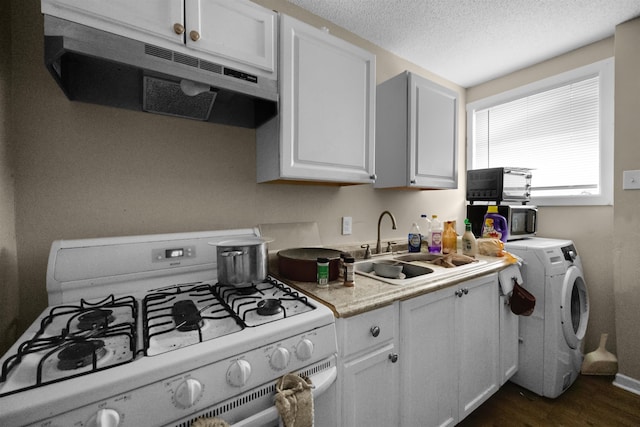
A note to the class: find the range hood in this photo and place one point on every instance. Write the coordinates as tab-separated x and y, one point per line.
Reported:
98	67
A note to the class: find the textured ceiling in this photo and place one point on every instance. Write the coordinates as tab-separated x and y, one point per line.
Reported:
472	41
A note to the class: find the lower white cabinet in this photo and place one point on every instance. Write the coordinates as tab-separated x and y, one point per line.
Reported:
449	351
508	340
426	361
370	389
368	373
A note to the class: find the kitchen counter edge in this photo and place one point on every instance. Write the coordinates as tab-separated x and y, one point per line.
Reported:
369	294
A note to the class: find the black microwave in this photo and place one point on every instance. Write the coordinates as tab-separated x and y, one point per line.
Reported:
521	219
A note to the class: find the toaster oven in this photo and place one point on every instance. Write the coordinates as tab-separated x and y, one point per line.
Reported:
499	184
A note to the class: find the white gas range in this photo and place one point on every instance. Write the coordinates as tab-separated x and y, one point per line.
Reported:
139	333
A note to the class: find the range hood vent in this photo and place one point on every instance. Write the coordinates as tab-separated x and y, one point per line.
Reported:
97	67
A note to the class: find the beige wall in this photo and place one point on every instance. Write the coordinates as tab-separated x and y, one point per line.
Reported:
8	256
85	170
626	228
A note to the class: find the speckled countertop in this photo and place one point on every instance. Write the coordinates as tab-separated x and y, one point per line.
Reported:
369	293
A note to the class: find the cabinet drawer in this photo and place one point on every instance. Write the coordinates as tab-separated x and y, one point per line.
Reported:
367	330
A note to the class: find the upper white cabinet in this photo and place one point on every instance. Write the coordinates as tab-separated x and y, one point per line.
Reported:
326	124
239	31
416	134
235	29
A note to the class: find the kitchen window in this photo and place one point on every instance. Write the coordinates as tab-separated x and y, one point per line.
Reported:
561	127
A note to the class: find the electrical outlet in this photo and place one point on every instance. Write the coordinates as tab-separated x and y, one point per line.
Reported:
347	222
631	180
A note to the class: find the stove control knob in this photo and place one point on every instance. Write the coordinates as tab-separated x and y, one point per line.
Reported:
280	358
304	349
188	393
105	418
238	373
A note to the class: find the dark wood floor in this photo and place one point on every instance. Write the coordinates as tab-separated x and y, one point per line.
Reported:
590	401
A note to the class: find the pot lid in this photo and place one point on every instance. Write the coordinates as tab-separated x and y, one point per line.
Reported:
243	241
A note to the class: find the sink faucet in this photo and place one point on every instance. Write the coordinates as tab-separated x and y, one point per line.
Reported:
393	220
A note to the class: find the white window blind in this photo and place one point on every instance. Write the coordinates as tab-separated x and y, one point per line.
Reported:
556	130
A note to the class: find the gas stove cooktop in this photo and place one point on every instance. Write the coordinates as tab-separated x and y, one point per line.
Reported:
77	339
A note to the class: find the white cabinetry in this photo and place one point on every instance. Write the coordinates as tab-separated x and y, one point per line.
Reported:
416	134
449	350
325	129
508	340
368	375
236	31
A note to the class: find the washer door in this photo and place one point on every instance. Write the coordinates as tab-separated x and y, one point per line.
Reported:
574	307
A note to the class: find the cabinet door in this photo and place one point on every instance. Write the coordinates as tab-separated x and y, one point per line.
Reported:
429	395
238	30
508	341
138	19
327	106
477	332
370	389
433	140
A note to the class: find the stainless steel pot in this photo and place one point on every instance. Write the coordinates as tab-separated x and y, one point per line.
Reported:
242	262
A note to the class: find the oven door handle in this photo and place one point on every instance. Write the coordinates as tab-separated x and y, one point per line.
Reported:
321	381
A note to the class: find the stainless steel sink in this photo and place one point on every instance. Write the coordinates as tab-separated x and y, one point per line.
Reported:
413	268
408	270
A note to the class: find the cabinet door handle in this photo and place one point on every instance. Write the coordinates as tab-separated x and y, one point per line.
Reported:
375	331
178	28
393	357
195	36
465	290
459	293
373	177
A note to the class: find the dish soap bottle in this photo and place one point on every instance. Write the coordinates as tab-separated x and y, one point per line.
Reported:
494	225
435	235
449	238
414	238
469	243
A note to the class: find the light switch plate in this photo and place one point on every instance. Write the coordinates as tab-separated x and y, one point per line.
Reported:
347	223
631	180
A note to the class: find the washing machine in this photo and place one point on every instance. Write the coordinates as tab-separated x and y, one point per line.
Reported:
551	338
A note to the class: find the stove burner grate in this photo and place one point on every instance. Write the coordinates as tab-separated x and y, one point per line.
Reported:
185	314
267	301
74	351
